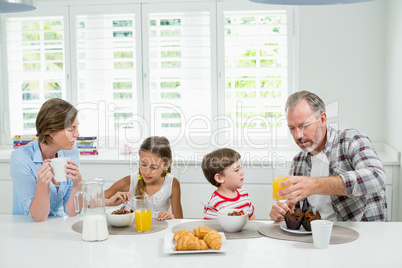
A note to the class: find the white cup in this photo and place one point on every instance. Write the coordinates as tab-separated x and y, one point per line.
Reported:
322	230
59	168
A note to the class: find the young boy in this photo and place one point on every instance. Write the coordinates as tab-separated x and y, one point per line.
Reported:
222	168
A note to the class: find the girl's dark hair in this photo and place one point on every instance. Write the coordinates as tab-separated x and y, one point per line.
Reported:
160	147
54	115
216	162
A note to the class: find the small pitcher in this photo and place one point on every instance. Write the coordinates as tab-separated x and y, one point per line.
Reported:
94	227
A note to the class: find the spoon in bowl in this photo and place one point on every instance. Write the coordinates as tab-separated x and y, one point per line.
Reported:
123	208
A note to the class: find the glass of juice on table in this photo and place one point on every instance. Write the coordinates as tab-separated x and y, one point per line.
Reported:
280	173
143	213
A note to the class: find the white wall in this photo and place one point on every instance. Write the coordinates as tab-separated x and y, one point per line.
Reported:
342	58
394	82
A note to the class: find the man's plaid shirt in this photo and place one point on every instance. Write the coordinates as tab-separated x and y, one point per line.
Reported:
352	156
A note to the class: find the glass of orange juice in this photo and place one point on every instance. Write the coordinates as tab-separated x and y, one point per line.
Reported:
279	174
143	213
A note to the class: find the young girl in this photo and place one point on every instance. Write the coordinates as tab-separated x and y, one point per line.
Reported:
153	179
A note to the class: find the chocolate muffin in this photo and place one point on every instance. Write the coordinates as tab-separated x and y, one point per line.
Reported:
308	217
293	220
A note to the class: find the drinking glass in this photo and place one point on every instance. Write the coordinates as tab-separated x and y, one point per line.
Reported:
280	173
143	213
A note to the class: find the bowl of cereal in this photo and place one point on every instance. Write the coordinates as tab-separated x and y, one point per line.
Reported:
232	220
119	217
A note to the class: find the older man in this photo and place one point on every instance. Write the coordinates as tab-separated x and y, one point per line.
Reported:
337	173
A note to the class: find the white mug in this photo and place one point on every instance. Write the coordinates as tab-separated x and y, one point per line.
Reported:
59	168
322	230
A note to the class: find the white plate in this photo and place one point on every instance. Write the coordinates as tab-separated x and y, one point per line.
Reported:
169	246
300	231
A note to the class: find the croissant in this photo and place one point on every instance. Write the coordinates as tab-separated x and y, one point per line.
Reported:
213	240
190	242
201	231
181	233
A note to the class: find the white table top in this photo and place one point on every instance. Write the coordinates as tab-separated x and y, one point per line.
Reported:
24	243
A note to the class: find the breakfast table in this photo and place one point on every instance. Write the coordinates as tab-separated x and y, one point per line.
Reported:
54	243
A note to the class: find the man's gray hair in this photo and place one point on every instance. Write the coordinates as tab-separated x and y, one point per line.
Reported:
315	102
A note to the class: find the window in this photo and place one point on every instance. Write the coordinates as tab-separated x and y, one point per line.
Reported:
256	74
202	74
108	63
178	49
36	67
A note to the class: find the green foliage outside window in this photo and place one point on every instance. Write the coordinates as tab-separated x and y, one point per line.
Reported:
170	54
30	26
122	85
270	63
270	83
122	96
52	86
29	126
170	95
122	115
170	84
245	114
123	55
53	95
170	115
34	67
249	53
122	34
54	66
273	124
245	83
53	25
245	94
171	125
165	33
165	22
270	94
271	114
123	65
31	36
122	23
270	53
54	56
31	56
245	63
29	116
171	64
53	36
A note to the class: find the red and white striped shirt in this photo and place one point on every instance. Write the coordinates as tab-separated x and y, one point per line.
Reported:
218	202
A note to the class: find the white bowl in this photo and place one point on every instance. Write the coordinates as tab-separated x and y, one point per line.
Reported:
119	220
232	224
